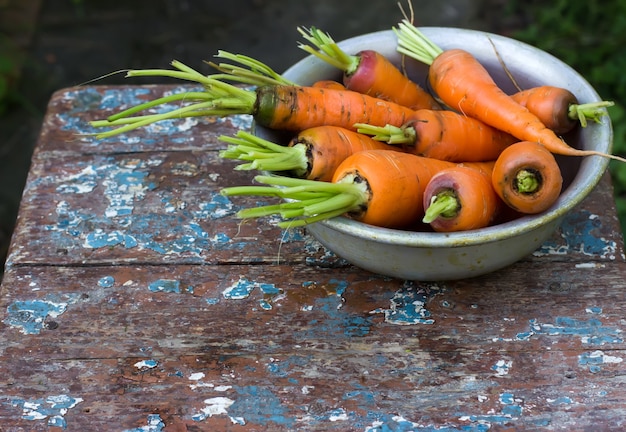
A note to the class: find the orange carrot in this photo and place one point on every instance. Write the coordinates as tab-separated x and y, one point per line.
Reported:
368	72
460	199
283	107
377	187
527	177
444	135
314	153
464	84
558	108
331	84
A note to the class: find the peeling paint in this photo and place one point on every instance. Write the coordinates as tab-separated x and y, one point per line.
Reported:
408	304
52	408
502	367
165	285
154	424
147	364
590	331
594	360
29	315
579	231
242	288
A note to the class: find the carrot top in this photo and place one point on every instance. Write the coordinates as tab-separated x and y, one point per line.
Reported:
309	200
325	48
264	155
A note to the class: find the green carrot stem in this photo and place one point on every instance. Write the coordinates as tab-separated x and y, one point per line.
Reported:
185	96
324	47
413	43
266	155
444	204
147	120
309	200
389	133
527	181
253	71
590	111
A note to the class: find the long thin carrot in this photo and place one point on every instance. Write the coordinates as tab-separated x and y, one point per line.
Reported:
377	187
283	107
444	135
313	154
558	108
527	177
368	72
464	84
460	199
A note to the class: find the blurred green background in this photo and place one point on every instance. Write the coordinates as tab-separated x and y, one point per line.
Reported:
49	45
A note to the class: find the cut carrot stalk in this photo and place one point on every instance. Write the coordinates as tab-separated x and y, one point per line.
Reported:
377	187
282	107
314	153
444	135
527	177
460	199
368	72
464	84
558	108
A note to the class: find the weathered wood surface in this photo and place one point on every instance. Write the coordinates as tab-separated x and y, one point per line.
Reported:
134	301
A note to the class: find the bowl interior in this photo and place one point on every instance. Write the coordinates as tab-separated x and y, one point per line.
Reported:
529	67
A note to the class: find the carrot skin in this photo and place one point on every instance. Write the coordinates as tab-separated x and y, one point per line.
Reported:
527	157
328	146
377	76
296	108
551	105
450	136
478	204
331	84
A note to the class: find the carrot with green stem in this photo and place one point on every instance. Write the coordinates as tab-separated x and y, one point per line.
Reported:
461	198
282	107
444	135
463	84
558	108
377	187
367	71
313	153
527	177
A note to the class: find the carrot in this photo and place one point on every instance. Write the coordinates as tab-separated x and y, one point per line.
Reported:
444	135
527	177
314	153
558	108
460	199
377	187
368	72
332	84
464	84
283	107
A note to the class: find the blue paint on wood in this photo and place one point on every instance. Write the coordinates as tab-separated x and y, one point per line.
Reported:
594	360
243	287
165	285
580	232
408	304
154	424
51	408
106	281
29	315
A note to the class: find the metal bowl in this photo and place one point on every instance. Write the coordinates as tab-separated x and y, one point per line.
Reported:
430	256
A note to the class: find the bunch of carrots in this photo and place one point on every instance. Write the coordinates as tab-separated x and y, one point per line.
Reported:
379	148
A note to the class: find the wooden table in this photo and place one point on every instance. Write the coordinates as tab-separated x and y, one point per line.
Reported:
133	300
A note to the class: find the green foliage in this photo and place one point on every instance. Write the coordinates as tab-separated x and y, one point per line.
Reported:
588	36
